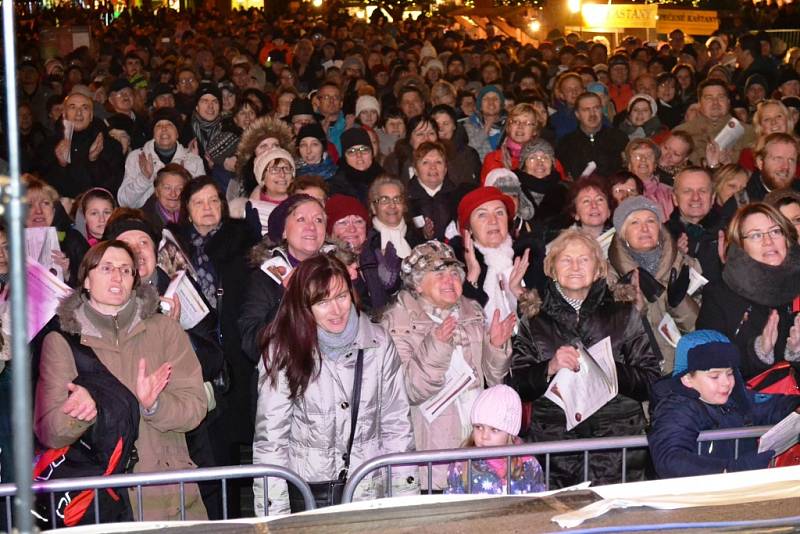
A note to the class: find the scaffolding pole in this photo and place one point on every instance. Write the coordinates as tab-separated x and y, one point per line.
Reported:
20	361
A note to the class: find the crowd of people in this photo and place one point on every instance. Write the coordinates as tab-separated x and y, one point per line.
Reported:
370	213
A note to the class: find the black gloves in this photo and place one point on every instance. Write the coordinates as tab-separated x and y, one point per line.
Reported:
678	286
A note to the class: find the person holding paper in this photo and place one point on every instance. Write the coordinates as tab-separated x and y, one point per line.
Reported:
714	115
576	308
44	211
311	354
131	227
706	392
753	303
644	257
447	351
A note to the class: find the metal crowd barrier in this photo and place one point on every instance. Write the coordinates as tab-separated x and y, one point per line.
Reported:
139	480
585	446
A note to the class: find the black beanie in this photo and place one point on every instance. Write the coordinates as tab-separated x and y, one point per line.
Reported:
124	224
354	137
166	114
313	130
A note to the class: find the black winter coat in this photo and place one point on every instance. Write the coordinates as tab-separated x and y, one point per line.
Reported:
440	208
679	416
703	240
605	148
227	250
556	325
81	174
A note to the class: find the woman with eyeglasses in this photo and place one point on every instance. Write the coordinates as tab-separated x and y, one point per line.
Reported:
540	180
274	171
754	303
160	380
520	128
357	167
390	221
642	156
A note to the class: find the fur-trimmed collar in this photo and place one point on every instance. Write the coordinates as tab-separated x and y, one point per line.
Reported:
73	318
258	131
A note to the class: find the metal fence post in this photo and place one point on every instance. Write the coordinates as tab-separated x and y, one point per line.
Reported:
21	414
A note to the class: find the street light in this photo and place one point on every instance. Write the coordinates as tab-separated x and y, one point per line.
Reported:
574	5
535	26
316	3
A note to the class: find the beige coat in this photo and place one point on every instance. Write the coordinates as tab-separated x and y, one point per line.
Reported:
702	130
426	360
140	333
621	263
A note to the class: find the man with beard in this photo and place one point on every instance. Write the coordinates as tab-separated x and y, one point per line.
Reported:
714	106
693	223
776	168
89	158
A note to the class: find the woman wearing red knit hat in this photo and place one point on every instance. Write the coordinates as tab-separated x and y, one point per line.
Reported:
498	270
378	273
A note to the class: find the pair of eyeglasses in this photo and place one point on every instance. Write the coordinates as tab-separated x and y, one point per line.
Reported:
773	233
108	269
515	122
360	149
385	201
279	170
628	190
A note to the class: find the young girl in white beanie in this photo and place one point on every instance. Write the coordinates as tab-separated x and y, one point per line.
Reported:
496	419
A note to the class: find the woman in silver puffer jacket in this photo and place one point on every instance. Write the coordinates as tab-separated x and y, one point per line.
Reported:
303	418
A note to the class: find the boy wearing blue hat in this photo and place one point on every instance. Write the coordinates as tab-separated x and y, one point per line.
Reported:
705	392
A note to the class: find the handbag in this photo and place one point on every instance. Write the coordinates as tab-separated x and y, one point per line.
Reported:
329	492
780	379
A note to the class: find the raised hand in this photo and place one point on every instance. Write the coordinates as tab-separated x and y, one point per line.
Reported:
721	245
62	152
683	243
149	387
473	267
501	331
518	271
79	404
769	336
793	341
96	147
444	331
428	230
566	357
146	165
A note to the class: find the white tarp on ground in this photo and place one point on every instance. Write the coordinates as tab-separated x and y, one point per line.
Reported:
690	492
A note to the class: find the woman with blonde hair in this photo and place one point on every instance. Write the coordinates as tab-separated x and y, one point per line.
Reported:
576	307
729	181
520	128
771	116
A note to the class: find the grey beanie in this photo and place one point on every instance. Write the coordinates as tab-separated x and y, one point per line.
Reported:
537	145
631	204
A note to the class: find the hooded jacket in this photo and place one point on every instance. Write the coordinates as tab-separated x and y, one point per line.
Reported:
259	130
551	323
309	434
137	331
679	415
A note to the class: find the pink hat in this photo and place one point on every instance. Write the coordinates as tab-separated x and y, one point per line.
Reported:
499	407
261	162
475	198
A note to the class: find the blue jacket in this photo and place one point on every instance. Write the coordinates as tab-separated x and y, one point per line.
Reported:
679	416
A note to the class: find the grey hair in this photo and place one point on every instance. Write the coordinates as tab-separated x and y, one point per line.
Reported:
413	280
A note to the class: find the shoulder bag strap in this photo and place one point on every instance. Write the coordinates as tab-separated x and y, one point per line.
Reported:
355	400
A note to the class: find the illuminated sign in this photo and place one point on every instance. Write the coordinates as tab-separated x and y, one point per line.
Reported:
619	15
691	21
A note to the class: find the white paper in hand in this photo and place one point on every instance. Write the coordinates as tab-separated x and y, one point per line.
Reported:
458	379
45	292
696	281
581	394
730	134
782	436
39	246
279	264
193	308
